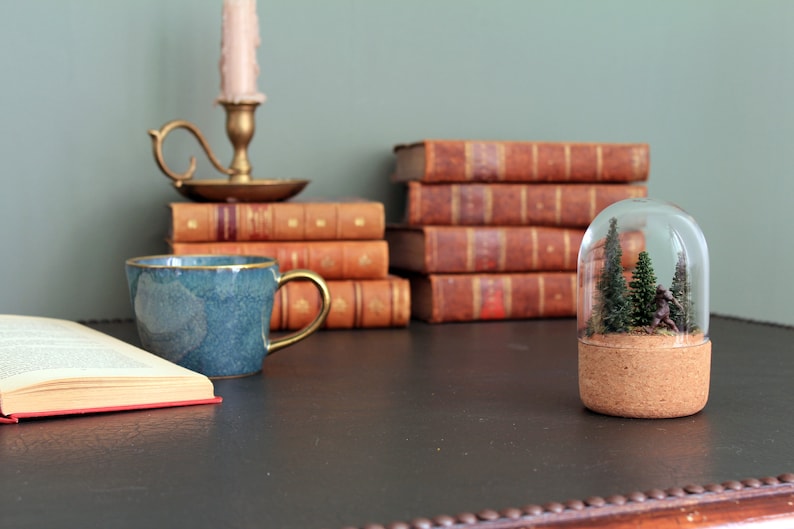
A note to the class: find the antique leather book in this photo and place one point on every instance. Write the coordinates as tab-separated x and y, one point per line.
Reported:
51	367
444	161
368	259
355	304
276	221
502	204
457	249
438	298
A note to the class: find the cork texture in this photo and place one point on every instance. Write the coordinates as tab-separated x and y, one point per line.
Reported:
644	376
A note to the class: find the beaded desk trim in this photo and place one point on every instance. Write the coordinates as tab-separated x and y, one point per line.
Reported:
731	504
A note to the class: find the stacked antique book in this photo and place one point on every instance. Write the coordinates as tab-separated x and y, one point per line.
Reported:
492	229
340	240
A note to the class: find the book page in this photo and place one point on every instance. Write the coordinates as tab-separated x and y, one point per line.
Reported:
37	347
33	346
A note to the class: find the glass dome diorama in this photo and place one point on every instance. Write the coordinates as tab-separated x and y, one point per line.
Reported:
643	312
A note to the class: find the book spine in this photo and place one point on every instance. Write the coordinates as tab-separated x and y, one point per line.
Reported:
476	204
276	221
500	249
516	161
330	259
355	304
478	297
469	249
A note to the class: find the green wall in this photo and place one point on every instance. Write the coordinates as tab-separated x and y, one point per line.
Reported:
708	83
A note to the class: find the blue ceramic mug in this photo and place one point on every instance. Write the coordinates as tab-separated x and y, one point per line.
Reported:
211	313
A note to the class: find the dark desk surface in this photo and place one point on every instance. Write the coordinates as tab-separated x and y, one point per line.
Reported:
376	426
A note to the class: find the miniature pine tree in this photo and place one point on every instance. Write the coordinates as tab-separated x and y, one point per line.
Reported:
682	291
613	305
642	295
595	325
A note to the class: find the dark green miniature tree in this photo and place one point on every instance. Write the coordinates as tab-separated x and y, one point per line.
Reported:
642	295
682	292
612	312
595	325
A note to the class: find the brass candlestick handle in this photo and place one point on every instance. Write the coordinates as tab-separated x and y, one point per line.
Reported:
158	137
239	186
239	128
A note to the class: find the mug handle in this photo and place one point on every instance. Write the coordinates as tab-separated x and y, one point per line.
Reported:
325	308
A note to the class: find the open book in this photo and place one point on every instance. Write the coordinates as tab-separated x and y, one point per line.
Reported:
57	367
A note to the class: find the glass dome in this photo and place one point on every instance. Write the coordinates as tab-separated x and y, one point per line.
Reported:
643	269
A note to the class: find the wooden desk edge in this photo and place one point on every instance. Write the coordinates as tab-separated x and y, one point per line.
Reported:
749	503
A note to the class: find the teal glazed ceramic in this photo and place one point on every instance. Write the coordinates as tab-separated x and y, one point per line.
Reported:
211	313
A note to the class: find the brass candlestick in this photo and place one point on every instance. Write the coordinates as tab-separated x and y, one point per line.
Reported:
240	127
240	186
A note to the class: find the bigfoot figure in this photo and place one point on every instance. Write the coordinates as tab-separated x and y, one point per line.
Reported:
662	314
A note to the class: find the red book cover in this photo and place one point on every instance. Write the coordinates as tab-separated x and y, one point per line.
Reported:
16	417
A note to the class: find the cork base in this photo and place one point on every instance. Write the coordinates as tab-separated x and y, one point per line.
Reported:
644	376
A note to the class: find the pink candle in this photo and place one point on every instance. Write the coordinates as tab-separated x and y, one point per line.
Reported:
239	42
